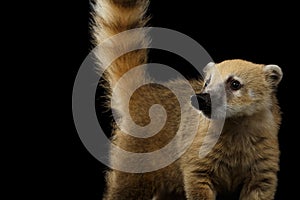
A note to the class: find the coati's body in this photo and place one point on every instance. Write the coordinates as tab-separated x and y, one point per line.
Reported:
246	155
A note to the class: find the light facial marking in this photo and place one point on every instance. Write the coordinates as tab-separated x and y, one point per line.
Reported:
237	93
251	93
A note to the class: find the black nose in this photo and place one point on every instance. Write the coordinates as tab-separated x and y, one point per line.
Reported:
202	102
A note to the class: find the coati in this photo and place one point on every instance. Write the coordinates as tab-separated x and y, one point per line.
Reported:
246	154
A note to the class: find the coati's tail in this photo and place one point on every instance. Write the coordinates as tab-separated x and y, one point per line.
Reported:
115	16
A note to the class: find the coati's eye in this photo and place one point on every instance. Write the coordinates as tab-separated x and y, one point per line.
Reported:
207	82
235	84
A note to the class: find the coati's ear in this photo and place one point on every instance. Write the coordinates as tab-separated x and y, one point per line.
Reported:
273	74
208	67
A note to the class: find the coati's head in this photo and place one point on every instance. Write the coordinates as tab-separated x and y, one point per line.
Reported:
248	87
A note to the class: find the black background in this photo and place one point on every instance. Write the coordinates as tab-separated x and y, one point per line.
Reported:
261	33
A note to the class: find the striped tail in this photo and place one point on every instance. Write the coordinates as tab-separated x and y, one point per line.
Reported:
115	16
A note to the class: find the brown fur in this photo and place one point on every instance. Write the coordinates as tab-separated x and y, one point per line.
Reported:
246	154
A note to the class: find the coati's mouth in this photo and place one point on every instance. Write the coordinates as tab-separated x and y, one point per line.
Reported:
202	102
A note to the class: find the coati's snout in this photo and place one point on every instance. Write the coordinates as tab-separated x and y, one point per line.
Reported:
202	102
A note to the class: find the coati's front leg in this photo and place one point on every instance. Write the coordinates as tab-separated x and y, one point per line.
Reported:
262	181
198	186
261	186
125	186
